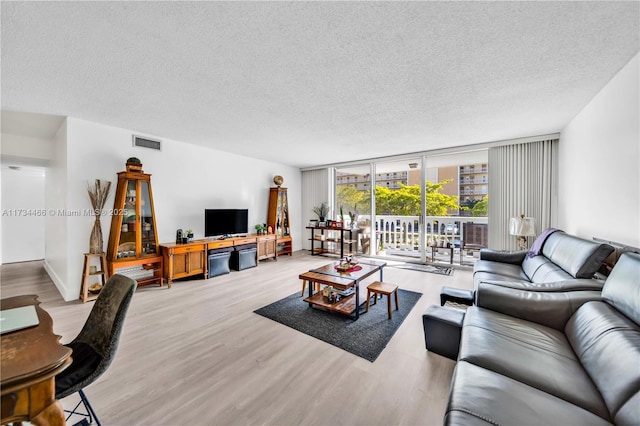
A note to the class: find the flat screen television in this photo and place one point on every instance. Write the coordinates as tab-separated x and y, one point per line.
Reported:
225	221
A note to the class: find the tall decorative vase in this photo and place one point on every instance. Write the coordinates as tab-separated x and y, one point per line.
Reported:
98	193
95	240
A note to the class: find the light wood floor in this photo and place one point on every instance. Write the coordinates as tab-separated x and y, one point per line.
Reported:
196	354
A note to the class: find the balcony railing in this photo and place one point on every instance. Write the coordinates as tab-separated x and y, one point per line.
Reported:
400	235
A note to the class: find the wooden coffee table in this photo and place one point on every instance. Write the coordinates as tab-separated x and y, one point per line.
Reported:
348	305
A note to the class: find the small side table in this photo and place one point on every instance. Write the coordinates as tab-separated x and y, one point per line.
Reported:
434	250
102	272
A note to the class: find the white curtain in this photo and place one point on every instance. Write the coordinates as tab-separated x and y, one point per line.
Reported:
317	187
523	180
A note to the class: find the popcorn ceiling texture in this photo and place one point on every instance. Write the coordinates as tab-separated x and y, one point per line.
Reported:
297	82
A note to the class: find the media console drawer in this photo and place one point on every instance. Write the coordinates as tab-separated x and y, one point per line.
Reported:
240	241
219	244
189	248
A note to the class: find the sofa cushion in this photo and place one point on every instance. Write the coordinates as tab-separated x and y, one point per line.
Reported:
481	396
573	284
579	257
628	413
485	270
530	353
608	346
512	272
622	287
539	269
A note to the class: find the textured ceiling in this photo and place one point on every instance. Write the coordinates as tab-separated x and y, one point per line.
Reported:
307	83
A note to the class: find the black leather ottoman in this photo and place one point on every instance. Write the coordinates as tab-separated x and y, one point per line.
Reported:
442	329
219	261
243	257
457	295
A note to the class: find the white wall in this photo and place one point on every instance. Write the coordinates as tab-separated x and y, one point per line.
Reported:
599	190
56	240
23	213
185	180
18	146
32	152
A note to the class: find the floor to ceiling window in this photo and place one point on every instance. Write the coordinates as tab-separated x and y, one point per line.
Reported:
449	197
353	196
457	191
398	208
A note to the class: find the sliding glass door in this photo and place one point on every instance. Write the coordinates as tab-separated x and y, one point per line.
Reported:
353	198
399	202
456	206
431	208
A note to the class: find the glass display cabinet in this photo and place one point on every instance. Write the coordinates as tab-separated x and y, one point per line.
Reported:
278	220
278	216
133	241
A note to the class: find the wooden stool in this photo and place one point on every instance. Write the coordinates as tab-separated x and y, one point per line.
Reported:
387	289
102	273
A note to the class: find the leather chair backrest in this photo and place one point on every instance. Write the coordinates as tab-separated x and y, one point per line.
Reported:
622	287
608	346
606	337
579	257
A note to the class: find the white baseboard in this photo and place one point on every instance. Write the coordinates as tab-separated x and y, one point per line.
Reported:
58	282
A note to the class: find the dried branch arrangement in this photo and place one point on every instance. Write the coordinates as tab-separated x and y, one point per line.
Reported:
98	194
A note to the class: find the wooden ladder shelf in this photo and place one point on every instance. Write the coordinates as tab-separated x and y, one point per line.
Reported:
100	271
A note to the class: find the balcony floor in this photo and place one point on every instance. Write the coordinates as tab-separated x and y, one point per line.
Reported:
442	257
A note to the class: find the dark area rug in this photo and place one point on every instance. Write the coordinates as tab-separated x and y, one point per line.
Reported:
366	337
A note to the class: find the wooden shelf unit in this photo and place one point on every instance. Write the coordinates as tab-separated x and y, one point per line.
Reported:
101	273
284	245
338	241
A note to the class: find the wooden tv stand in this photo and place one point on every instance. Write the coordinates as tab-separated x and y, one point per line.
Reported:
185	260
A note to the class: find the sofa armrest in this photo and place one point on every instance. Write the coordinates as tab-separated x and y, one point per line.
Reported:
552	309
513	257
575	284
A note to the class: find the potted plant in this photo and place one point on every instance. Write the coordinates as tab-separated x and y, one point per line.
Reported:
321	211
134	164
353	216
260	229
189	234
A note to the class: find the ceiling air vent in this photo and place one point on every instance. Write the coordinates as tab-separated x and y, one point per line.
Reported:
146	143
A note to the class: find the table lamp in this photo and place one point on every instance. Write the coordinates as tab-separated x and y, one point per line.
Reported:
522	227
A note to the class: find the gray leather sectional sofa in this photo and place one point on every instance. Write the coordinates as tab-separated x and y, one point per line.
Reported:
565	262
550	357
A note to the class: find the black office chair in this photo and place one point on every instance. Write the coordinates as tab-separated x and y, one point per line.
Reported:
95	346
